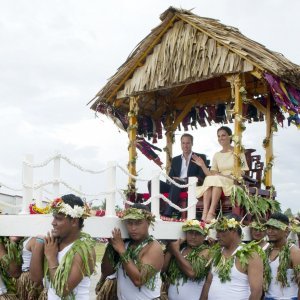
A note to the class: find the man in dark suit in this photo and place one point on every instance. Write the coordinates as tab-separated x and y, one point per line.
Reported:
181	169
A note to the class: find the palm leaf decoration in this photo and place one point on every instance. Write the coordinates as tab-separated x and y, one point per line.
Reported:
253	204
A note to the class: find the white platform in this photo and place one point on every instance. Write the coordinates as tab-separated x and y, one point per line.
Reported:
32	225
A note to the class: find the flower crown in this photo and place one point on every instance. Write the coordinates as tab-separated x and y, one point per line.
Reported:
258	226
138	214
195	225
224	224
59	206
295	225
277	224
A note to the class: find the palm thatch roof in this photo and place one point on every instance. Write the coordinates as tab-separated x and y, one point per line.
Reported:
188	57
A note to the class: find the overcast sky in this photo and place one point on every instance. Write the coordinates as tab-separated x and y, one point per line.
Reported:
56	55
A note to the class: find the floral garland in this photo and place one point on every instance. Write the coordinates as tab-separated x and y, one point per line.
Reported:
132	114
58	206
284	263
199	265
34	209
268	167
84	247
138	214
277	224
295	225
223	224
258	226
195	225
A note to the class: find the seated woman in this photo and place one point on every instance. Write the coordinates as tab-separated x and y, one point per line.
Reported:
219	178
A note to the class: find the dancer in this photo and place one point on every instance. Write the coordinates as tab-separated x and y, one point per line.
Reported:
140	258
69	253
284	260
237	269
186	262
10	267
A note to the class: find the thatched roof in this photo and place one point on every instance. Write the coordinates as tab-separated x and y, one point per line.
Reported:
186	63
186	49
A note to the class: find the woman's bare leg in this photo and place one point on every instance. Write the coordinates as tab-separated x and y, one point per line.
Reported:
206	202
215	198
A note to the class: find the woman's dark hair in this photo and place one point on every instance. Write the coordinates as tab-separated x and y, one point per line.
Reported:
280	217
73	200
226	129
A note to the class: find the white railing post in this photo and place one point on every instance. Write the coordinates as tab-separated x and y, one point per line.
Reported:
40	195
27	180
155	194
191	213
110	205
56	176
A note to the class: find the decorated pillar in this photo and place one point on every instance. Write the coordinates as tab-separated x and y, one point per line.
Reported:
238	124
268	144
169	143
132	129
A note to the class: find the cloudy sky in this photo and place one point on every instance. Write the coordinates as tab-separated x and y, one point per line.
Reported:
55	56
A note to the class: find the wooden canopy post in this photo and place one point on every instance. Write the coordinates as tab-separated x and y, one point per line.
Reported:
269	145
132	129
238	112
169	143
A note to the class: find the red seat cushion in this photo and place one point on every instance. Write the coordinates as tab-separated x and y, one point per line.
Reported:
183	195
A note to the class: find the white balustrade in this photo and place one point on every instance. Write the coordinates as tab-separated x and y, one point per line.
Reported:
110	205
192	200
155	194
56	176
27	181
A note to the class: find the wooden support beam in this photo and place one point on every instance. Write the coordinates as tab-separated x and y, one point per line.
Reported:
256	73
185	111
238	112
132	129
269	147
259	106
215	96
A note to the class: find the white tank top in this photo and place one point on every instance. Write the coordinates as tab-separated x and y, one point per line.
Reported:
190	290
128	291
26	256
3	289
180	290
275	290
81	291
236	289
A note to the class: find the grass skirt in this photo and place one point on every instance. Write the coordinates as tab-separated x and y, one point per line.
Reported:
9	297
108	290
25	287
44	295
164	291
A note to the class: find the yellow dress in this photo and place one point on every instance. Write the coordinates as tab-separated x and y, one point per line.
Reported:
223	162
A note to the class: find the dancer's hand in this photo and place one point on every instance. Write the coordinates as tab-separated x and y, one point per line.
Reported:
117	241
51	247
175	246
